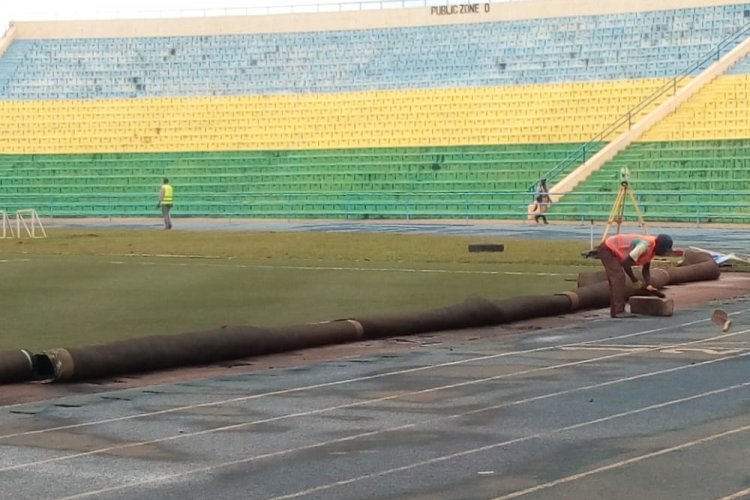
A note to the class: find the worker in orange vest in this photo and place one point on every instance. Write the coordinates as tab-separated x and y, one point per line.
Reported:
619	253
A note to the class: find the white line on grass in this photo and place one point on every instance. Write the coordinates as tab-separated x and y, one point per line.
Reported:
175	258
403	270
377	269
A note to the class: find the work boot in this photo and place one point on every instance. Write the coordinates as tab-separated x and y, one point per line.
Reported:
623	314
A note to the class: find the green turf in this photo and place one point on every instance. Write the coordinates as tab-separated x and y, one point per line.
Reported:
81	287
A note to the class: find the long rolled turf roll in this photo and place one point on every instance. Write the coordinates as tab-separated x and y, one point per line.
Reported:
233	342
16	366
161	352
534	306
596	294
474	312
701	268
587	278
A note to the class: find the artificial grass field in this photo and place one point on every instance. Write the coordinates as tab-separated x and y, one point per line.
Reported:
80	287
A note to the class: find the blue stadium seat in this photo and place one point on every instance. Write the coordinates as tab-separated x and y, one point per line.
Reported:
509	53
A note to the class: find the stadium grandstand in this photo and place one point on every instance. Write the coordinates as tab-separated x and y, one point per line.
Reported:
431	111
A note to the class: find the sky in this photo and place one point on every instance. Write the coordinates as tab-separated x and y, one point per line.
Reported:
26	10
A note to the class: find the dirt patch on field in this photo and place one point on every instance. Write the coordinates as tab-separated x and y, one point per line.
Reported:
730	286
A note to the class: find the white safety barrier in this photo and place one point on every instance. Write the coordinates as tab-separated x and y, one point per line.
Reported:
7	231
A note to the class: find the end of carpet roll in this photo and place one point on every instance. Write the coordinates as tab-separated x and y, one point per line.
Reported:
62	363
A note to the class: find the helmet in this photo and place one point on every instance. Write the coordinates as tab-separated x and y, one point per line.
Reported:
663	244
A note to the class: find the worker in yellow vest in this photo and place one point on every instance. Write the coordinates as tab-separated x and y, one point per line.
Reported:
619	253
166	200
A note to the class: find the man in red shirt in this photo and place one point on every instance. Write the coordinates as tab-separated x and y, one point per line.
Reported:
619	253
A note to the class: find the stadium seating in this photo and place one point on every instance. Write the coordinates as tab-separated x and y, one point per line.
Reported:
431	120
693	166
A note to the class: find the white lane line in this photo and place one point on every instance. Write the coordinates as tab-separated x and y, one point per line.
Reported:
294	415
324	268
355	379
396	270
381	269
525	438
666	349
739	494
352	405
629	461
422	463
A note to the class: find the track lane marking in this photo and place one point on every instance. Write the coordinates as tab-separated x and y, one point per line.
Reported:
629	461
421	463
298	414
518	440
371	401
736	495
351	380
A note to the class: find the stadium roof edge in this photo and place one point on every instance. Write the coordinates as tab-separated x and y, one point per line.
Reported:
343	20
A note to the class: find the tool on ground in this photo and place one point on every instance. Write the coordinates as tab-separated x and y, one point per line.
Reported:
721	319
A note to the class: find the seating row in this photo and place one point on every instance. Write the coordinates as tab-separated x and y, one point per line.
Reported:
597	47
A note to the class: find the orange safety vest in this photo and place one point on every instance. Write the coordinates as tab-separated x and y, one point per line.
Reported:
621	244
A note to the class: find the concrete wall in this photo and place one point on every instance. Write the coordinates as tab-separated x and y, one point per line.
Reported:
386	18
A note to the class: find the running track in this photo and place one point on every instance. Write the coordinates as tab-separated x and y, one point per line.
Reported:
647	408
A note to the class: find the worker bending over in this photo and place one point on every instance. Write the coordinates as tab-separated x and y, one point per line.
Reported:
619	253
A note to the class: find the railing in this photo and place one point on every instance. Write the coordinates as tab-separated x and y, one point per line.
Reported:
579	155
697	207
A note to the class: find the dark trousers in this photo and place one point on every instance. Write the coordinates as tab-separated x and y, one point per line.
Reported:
166	208
616	278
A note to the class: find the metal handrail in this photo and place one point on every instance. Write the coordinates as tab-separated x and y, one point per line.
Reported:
628	116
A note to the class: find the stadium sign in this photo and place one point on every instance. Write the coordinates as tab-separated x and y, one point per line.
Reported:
467	8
